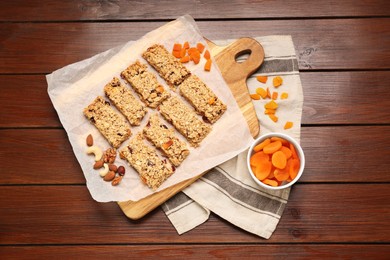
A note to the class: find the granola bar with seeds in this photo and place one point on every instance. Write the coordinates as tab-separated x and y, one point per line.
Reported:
185	120
169	68
145	84
202	98
111	124
165	139
125	101
152	170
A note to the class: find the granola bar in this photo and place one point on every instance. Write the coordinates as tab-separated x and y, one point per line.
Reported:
202	98
124	100
164	138
152	170
145	84
110	124
185	120
169	68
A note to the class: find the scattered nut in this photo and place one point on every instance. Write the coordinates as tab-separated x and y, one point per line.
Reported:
104	171
109	176
112	167
98	164
109	155
89	140
121	170
96	151
116	180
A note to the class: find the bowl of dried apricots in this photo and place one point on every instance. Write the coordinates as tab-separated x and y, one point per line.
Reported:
275	161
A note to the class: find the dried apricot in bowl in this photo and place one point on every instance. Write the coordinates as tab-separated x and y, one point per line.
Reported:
275	161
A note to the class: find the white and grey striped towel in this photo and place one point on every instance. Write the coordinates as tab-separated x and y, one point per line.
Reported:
228	190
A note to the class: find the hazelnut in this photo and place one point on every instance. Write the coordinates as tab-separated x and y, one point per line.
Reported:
121	170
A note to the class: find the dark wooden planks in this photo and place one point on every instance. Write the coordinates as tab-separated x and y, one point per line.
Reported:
333	154
24	102
320	43
346	97
330	98
50	10
314	214
32	156
199	251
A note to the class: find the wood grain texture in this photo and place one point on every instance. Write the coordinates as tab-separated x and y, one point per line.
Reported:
338	210
333	154
236	74
346	97
330	98
51	10
320	43
344	213
256	251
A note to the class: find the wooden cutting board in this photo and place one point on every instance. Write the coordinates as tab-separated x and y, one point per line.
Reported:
235	75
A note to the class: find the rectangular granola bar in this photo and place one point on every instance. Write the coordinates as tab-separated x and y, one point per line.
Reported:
202	98
169	68
152	170
125	101
110	124
185	120
165	139
145	84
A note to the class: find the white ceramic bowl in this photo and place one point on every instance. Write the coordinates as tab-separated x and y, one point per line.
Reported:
298	149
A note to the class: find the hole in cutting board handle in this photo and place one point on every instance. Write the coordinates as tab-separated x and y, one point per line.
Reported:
243	56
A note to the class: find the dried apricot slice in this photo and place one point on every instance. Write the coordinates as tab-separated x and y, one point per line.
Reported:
258	158
261	145
279	160
262	79
277	81
272	147
272	183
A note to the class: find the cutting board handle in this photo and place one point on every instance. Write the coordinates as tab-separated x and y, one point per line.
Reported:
241	70
236	73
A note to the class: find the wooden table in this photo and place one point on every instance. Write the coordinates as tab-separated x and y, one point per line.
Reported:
340	208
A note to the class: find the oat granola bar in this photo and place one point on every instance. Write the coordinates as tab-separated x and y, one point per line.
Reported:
152	170
110	124
125	101
202	98
185	120
145	84
169	68
165	139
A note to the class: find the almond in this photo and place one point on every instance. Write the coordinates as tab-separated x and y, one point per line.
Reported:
89	140
109	176
98	164
112	167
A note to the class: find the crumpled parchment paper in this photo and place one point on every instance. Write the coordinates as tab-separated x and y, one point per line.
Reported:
75	86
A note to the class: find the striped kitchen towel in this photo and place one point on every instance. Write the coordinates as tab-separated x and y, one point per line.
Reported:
228	190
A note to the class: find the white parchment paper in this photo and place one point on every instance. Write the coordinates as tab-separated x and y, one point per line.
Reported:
75	86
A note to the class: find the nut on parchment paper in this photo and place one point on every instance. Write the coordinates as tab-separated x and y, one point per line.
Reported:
121	171
89	140
116	180
109	155
109	176
103	172
98	164
112	167
96	151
